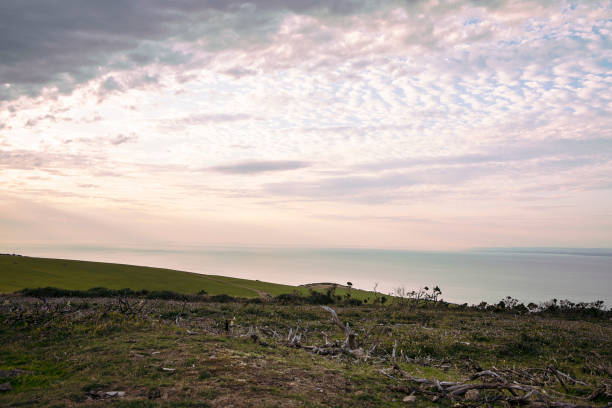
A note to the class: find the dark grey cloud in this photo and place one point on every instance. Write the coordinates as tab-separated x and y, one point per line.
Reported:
63	42
110	84
254	167
239	72
66	42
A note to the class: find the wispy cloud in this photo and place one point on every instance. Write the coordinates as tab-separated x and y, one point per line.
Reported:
32	159
257	166
565	151
204	118
122	138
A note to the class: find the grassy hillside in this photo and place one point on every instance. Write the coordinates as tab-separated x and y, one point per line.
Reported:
19	272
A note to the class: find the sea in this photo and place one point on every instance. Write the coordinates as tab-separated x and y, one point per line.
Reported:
470	276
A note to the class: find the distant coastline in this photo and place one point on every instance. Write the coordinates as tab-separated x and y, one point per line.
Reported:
490	274
551	251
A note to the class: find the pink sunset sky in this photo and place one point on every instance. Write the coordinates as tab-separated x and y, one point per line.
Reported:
392	124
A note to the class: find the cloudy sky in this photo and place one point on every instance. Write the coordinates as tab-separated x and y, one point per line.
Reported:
397	124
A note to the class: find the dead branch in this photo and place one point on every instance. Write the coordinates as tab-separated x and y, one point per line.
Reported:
486	372
350	341
565	376
531	395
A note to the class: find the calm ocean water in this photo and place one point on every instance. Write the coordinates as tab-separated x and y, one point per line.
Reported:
468	276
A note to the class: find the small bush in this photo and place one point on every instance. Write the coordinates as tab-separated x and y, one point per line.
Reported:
167	295
315	297
50	292
353	302
288	298
222	298
318	298
524	345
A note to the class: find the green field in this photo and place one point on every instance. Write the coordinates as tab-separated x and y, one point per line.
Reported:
19	272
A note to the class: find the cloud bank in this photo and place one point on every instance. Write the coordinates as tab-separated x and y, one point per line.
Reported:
486	117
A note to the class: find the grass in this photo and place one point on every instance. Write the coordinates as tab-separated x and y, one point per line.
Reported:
72	347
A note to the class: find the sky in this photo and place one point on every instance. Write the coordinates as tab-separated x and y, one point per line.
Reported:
353	123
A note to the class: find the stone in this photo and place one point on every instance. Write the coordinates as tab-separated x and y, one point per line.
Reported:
95	395
12	373
154	393
409	399
472	395
6	387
